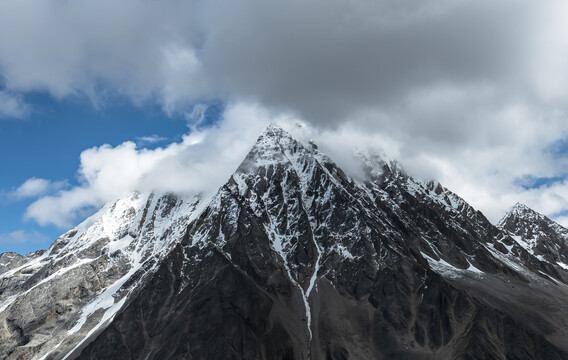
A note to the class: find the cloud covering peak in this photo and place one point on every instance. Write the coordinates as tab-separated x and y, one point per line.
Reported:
472	93
201	162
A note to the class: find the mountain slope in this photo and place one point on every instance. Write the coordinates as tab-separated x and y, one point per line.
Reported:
539	235
293	259
57	298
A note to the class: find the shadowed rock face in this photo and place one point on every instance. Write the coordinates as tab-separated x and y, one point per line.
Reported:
292	259
289	228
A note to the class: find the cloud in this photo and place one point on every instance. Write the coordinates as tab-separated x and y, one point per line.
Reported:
152	139
32	187
201	162
140	49
489	177
23	236
35	187
12	106
472	93
327	61
321	60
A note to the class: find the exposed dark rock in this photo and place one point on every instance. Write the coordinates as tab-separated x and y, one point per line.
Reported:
293	259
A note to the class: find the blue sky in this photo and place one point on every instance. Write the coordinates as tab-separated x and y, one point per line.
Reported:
47	144
100	98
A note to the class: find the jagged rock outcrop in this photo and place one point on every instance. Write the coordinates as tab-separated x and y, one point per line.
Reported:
539	235
294	259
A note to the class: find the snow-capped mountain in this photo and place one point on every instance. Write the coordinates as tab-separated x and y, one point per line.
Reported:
291	259
539	235
60	297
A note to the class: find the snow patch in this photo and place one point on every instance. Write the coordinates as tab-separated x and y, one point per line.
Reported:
444	268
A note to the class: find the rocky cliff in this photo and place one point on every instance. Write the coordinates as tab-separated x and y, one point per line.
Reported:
291	259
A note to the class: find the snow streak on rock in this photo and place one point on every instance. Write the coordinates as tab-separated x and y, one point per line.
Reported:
294	232
87	274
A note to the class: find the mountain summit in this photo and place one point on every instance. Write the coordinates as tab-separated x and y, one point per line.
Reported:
539	235
290	259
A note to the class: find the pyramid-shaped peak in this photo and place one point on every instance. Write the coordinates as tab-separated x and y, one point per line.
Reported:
523	214
274	129
274	145
519	212
519	209
275	139
274	133
272	137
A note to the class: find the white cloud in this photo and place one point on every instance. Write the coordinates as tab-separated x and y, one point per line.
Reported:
35	187
23	236
152	139
487	177
32	187
484	174
201	162
12	106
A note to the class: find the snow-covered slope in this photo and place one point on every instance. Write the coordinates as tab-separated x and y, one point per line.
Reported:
57	299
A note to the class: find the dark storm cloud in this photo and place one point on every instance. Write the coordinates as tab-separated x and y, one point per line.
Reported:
327	61
323	60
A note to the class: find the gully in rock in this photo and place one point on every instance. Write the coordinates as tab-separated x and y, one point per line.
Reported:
387	267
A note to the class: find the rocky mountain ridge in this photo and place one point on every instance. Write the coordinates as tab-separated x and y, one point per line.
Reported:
291	259
539	235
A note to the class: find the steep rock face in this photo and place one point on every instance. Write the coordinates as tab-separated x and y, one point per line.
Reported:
292	259
12	260
451	234
539	235
51	301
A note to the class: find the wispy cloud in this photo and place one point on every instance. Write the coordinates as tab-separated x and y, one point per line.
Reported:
35	187
23	236
152	139
13	106
201	162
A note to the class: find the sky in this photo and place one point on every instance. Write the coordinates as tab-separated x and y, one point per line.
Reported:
101	98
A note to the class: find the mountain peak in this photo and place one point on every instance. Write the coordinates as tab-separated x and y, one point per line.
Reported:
538	234
273	133
273	129
272	138
522	208
291	258
276	145
519	211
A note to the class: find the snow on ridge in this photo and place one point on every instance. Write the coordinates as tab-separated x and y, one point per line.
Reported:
522	212
147	215
527	243
444	268
139	227
531	229
119	243
276	146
